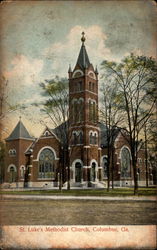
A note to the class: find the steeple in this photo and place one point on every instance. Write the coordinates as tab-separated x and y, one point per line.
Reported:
83	60
19	132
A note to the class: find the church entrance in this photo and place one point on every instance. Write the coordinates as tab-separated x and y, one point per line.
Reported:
12	175
78	172
93	175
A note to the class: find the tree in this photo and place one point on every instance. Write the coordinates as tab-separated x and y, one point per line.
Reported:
56	107
111	116
2	161
136	78
5	106
5	109
150	143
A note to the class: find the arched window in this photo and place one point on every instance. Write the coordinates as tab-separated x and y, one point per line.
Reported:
74	138
79	86
75	111
46	133
90	110
81	111
46	164
14	152
78	172
95	138
81	137
91	138
104	163
22	172
94	112
125	163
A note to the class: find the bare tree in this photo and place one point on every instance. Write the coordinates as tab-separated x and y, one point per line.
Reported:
56	107
5	106
111	116
136	76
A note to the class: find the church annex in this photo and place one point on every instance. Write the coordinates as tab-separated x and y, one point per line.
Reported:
41	162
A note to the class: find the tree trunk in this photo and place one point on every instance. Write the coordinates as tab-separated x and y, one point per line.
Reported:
112	168
135	176
68	164
146	155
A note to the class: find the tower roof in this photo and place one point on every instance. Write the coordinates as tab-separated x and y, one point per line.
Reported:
83	60
19	132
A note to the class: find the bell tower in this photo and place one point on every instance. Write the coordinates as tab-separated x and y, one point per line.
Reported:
84	142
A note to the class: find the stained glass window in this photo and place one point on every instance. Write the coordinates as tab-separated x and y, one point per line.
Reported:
125	163
46	164
105	166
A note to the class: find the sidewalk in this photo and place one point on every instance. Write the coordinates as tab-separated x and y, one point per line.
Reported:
72	197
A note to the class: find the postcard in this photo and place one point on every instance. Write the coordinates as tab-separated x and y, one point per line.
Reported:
77	119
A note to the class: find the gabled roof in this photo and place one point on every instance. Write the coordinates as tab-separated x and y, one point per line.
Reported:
29	150
104	134
83	60
19	132
61	132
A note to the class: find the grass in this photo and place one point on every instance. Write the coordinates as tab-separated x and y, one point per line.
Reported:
87	192
77	212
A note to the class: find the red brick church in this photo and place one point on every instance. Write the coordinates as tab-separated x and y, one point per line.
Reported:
41	162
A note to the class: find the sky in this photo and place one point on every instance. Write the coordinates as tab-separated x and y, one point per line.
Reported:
39	39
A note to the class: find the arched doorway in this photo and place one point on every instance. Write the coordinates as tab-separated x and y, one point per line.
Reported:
12	174
78	172
93	174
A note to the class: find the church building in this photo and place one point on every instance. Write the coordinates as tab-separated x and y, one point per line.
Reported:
40	162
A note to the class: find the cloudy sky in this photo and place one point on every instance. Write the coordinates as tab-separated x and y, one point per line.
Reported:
41	38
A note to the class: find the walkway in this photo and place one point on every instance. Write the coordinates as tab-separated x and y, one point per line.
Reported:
72	197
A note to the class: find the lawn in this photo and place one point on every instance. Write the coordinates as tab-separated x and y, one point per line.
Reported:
86	192
77	212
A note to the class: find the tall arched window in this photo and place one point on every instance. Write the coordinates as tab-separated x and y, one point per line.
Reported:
75	111
95	138
125	163
90	110
81	110
91	138
81	137
46	164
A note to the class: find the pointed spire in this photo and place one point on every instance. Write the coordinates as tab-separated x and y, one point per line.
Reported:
19	132
83	60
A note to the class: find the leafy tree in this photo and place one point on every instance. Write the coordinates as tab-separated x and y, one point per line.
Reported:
136	78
